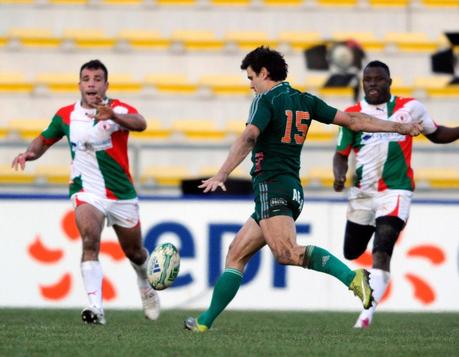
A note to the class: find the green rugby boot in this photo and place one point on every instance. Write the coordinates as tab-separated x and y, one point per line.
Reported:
192	324
360	286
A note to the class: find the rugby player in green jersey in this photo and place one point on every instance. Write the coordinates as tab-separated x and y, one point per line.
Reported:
278	123
380	196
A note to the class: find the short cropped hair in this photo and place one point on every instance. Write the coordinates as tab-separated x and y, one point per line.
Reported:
378	64
95	64
272	60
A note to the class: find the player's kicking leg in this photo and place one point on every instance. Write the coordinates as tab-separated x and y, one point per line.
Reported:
280	235
358	281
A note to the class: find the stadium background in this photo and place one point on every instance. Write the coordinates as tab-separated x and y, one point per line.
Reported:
178	63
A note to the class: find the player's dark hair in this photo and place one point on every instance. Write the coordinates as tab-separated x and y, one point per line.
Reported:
272	60
378	64
95	64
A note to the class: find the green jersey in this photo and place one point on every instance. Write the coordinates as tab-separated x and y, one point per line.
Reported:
283	115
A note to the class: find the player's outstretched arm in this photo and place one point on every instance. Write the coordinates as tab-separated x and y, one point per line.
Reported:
340	166
35	150
357	121
444	135
238	152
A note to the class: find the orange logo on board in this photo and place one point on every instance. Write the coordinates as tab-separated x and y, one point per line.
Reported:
422	290
45	255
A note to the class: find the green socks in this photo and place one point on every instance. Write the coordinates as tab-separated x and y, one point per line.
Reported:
322	260
224	291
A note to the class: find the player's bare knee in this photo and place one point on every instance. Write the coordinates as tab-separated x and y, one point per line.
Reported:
134	252
91	245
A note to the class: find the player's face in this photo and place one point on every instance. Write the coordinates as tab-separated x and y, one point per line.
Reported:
376	85
93	85
258	82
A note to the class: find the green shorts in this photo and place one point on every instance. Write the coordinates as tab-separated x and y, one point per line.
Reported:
278	196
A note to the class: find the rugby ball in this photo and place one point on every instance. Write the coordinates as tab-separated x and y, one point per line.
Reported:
163	266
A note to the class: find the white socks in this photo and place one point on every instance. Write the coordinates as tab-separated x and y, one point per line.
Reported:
379	279
141	271
92	274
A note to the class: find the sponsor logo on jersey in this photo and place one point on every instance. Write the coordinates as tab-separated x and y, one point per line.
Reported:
374	138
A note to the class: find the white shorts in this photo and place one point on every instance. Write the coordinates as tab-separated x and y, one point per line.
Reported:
124	213
365	207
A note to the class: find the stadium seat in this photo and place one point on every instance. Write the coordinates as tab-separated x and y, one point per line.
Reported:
367	40
10	176
88	38
235	126
437	177
53	174
14	82
428	82
143	39
230	2
164	175
389	3
337	3
155	130
3	131
68	2
410	41
448	91
171	83
320	133
17	2
34	37
27	128
436	86
198	129
248	40
312	82
175	2
122	2
305	181
57	82
3	40
346	92
283	3
400	88
197	40
124	83
295	83
319	176
209	171
225	84
440	3
300	40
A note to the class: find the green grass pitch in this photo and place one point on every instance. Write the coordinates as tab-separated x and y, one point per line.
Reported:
54	332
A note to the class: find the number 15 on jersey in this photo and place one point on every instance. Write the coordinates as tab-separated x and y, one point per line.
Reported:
301	127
